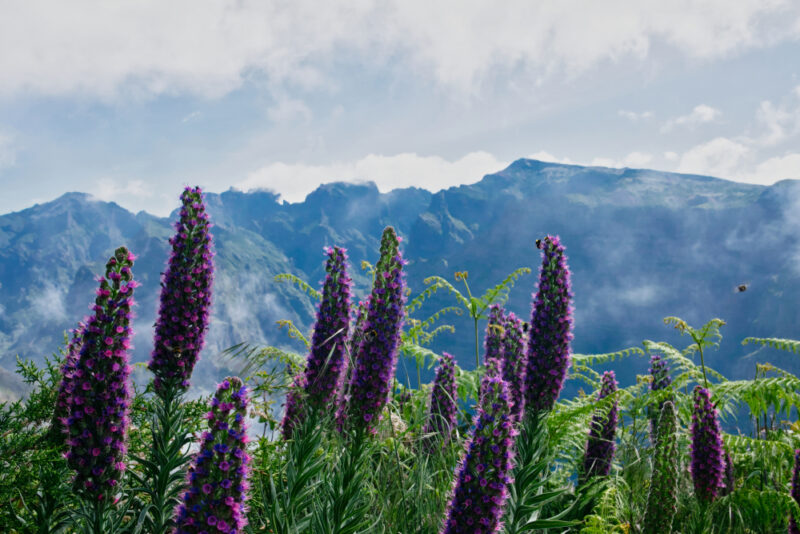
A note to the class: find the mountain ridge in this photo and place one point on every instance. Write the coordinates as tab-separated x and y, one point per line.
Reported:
640	244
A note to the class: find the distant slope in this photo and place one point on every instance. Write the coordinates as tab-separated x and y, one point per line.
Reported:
642	245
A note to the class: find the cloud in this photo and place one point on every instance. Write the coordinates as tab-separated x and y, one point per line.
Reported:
779	122
701	114
109	189
633	160
295	181
546	156
778	168
720	157
8	152
49	304
634	116
150	48
288	110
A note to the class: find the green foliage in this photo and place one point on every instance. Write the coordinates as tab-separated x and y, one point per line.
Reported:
776	343
299	282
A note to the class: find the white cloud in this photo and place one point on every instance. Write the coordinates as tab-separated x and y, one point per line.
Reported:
721	157
546	156
109	189
777	168
8	152
634	116
295	181
632	160
671	156
150	47
49	304
779	121
288	109
699	115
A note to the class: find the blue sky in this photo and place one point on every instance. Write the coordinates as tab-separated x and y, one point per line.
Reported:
132	100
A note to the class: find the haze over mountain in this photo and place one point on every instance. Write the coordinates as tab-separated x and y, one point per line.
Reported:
642	245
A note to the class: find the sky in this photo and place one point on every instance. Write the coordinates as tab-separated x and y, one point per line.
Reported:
132	100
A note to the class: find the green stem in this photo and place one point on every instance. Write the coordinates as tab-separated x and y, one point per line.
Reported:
477	357
98	511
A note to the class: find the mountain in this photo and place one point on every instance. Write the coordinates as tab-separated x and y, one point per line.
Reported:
642	245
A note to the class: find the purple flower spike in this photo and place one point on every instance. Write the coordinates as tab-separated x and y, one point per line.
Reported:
99	393
793	528
600	444
376	355
325	363
479	492
514	359
494	334
58	425
550	329
442	413
707	456
185	297
217	477
661	379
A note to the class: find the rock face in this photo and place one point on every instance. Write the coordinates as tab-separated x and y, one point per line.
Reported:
641	245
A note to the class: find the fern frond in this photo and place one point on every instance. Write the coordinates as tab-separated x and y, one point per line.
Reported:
596	359
790	345
422	356
435	283
292	330
779	393
499	293
299	282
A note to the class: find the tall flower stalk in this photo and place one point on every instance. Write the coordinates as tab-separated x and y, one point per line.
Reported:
100	393
179	334
493	343
708	463
325	364
58	425
662	500
442	413
602	430
185	297
217	480
376	355
514	360
480	490
660	380
550	330
793	528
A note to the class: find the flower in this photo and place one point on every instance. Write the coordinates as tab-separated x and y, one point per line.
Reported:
514	360
376	355
661	380
707	456
600	443
494	334
325	362
793	528
442	411
58	424
479	491
217	476
99	394
662	499
185	297
550	330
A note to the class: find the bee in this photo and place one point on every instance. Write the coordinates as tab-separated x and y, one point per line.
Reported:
741	288
371	334
539	243
525	326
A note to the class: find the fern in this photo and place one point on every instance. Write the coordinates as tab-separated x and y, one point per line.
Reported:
299	282
775	343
